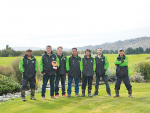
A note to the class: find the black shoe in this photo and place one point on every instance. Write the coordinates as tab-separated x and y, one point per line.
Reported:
69	96
32	98
83	95
90	95
95	94
76	95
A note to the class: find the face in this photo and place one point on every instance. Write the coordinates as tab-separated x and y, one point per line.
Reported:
121	53
29	53
87	53
99	51
48	50
74	52
59	51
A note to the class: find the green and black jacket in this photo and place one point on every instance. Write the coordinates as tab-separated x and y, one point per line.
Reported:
87	66
121	65
62	64
28	66
102	65
46	63
73	66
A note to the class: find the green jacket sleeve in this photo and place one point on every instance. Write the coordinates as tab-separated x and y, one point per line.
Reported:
67	64
36	65
125	63
81	67
57	59
41	64
21	68
116	61
94	65
106	65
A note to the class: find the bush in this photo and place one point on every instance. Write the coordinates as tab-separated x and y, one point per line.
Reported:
39	75
144	69
7	71
8	85
15	66
111	74
137	78
38	84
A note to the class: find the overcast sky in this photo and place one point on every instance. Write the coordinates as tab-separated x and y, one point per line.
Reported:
71	23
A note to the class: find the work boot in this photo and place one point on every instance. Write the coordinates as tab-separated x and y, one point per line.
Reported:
117	93
23	95
32	94
89	94
130	93
83	94
109	94
53	97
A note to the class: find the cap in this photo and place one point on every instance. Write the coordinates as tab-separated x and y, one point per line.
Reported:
121	49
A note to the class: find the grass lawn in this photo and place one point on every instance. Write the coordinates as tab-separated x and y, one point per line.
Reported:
102	103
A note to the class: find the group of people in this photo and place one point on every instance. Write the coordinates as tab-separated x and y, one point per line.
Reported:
75	67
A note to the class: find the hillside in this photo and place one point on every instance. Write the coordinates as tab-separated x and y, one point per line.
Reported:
134	43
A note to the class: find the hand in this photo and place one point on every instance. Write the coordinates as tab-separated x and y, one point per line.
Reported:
55	68
66	74
43	73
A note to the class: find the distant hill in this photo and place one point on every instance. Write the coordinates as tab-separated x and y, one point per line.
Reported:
134	43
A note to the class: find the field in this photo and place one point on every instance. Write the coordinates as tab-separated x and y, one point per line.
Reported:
102	103
133	59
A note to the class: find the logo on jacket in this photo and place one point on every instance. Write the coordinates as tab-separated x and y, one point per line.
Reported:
32	61
64	58
91	61
53	58
102	60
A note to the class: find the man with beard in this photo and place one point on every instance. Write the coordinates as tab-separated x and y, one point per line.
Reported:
102	65
61	72
48	70
122	73
28	66
73	69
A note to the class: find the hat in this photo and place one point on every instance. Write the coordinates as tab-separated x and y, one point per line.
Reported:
28	50
121	49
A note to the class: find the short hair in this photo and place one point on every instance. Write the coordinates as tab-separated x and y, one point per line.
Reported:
74	48
99	48
59	47
48	46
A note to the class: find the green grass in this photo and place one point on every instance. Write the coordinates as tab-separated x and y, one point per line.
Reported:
102	103
133	59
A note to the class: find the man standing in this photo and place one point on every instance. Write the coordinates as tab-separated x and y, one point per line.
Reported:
73	69
87	69
102	65
121	63
61	72
28	66
48	70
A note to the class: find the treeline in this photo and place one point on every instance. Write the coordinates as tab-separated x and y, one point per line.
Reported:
9	52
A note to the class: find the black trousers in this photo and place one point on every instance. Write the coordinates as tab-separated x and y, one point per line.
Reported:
105	79
125	80
25	82
84	82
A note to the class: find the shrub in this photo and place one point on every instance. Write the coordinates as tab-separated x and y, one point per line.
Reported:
39	75
38	83
137	78
144	69
8	85
7	71
15	66
111	74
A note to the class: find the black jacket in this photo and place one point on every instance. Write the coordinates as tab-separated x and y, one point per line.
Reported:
46	64
73	67
88	66
62	64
